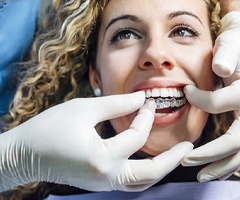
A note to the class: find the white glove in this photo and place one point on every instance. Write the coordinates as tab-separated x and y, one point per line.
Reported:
61	145
224	152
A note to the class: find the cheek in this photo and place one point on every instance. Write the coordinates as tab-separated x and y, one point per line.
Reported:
201	70
120	124
115	71
203	76
196	122
123	123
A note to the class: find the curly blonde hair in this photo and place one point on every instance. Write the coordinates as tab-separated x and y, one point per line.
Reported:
58	70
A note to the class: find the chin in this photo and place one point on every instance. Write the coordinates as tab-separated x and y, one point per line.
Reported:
151	149
161	140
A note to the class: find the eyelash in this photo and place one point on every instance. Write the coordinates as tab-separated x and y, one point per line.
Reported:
114	38
185	27
179	27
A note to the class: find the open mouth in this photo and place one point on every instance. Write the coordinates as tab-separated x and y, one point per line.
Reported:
167	100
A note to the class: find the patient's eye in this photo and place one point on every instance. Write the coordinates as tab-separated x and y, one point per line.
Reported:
183	30
125	34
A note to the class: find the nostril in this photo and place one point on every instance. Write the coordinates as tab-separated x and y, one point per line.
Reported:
148	64
167	64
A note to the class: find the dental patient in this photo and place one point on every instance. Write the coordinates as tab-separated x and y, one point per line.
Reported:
113	47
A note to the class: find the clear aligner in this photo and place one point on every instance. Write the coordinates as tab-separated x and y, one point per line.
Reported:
169	102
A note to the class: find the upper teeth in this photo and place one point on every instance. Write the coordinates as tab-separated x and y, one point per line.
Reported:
164	92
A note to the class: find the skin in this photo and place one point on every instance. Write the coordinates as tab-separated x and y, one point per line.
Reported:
229	5
157	51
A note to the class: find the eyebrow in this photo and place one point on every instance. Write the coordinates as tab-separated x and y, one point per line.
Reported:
136	19
179	13
123	17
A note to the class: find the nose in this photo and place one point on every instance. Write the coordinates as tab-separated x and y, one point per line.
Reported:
156	55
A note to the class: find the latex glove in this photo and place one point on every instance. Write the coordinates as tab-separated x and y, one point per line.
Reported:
61	145
224	152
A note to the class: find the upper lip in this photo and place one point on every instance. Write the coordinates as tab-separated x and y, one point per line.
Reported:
150	84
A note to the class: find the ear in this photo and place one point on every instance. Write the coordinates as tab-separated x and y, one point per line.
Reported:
94	78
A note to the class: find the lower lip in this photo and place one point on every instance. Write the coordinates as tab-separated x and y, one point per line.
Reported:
171	117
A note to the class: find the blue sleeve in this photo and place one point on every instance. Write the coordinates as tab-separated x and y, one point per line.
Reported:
17	28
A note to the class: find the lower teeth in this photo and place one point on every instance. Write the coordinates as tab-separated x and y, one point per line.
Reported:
161	103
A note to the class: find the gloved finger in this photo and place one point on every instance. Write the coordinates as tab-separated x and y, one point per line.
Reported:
220	169
217	149
129	141
226	176
214	102
151	170
234	77
109	107
233	172
138	187
226	53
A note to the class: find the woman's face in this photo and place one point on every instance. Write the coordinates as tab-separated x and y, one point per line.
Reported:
158	47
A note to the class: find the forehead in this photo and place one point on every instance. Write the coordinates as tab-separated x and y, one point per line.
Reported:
154	8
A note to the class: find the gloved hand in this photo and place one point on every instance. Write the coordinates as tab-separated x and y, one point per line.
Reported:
224	152
61	145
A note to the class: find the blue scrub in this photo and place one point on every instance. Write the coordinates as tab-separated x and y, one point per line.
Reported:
17	27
